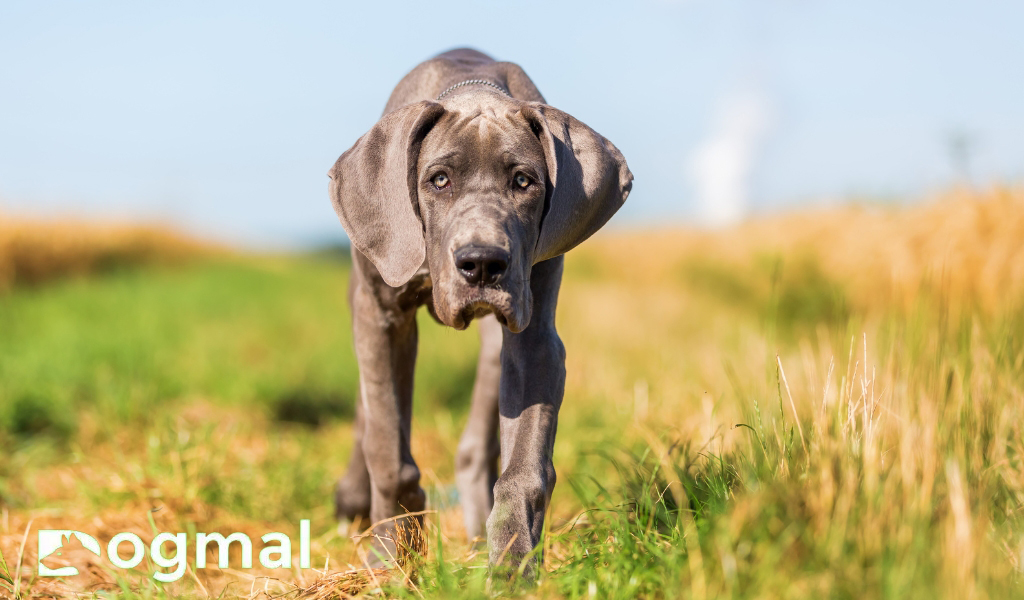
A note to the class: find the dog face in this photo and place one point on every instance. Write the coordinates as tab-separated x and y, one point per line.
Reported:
482	185
481	189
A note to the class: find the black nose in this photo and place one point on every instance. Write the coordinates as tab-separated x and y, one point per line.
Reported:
481	265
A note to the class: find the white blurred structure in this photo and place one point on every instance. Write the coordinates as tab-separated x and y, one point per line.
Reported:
722	165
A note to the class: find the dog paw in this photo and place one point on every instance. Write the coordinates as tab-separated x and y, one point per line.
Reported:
351	506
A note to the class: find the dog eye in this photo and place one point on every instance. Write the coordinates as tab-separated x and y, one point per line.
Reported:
522	180
441	181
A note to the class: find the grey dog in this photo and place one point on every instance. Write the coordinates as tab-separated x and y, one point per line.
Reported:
464	197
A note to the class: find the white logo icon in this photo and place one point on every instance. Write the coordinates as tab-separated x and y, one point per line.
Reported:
52	540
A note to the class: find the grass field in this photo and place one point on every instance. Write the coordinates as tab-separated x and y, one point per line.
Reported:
809	406
32	251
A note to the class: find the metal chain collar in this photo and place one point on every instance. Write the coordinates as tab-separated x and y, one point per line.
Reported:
474	82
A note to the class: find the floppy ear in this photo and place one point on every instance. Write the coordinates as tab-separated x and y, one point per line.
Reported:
588	176
373	189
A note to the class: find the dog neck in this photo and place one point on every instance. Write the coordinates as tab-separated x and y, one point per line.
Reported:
473	82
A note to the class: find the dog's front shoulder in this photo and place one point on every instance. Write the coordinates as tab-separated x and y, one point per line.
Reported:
431	77
412	294
518	82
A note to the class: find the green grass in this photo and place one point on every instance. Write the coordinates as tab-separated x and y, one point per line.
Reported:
272	337
221	393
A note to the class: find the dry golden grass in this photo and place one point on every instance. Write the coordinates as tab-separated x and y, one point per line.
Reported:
872	355
966	246
32	251
892	418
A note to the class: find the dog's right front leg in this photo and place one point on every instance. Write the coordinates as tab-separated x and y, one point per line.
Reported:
385	341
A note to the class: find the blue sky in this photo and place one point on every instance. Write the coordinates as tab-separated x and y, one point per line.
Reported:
224	118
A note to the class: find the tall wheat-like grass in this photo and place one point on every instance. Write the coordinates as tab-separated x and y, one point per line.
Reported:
818	405
966	246
32	251
835	400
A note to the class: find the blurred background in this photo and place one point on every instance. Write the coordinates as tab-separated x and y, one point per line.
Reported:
223	118
795	358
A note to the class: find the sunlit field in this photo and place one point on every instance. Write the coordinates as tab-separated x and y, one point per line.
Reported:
820	405
32	252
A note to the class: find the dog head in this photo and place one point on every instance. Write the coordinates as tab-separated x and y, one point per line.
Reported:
482	188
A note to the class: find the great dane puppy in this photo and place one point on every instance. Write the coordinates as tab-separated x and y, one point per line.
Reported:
464	197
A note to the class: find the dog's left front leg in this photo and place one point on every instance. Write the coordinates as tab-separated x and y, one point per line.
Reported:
385	340
532	384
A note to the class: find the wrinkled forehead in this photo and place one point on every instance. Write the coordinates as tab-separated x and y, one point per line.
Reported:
480	134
